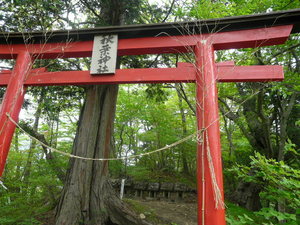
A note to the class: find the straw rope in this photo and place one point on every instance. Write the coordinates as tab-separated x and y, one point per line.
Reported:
101	159
219	203
199	135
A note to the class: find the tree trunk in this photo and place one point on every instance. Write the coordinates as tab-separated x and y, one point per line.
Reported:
88	197
37	115
183	151
247	195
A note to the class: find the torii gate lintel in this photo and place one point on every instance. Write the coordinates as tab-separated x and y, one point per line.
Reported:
206	74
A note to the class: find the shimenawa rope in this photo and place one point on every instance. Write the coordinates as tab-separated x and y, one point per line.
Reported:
217	193
100	159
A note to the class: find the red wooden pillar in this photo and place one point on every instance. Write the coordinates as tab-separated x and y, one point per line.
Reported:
209	211
12	103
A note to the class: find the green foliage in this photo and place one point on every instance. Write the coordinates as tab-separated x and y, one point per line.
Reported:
139	173
143	124
20	211
222	8
270	214
156	92
148	116
207	9
280	185
29	15
116	168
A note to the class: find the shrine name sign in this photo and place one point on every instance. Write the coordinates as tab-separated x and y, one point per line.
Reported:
104	56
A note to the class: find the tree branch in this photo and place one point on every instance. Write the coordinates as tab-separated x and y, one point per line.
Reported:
297	60
169	12
236	119
227	112
49	156
283	51
184	96
85	3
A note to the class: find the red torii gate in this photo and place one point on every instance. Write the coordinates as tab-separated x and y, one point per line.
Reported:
206	74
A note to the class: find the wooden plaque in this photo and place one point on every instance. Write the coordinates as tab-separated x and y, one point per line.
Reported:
104	56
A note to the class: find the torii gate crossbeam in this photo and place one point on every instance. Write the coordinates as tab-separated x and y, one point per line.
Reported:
206	74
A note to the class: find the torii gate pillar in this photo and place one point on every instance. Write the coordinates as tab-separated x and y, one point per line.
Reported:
209	166
12	103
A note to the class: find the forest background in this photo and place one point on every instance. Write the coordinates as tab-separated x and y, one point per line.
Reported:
260	122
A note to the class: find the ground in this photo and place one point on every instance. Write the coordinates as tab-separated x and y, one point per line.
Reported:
166	213
174	213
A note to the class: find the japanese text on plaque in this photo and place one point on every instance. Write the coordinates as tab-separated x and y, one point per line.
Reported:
104	55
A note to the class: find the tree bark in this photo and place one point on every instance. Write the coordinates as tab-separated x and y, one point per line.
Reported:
247	195
88	197
184	134
37	115
286	109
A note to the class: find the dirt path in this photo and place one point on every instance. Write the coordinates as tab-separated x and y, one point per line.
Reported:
174	213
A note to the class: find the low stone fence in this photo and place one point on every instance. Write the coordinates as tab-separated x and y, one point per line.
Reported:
156	191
